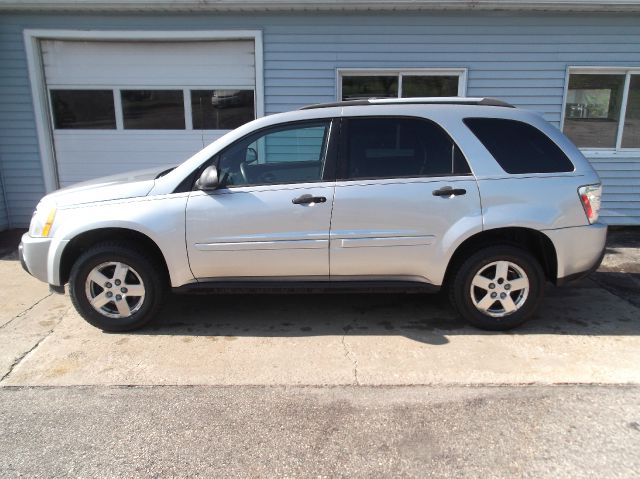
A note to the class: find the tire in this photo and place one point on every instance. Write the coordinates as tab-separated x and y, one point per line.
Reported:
106	263
522	287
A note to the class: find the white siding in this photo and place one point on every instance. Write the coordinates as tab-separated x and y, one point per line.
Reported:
521	58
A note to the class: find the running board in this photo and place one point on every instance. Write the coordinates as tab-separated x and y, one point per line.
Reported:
305	287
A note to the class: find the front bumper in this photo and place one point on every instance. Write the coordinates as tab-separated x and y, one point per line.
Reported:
34	256
579	250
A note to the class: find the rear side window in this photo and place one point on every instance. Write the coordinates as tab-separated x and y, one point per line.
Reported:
399	147
519	147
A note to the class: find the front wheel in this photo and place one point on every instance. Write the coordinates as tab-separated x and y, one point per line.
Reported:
115	287
497	288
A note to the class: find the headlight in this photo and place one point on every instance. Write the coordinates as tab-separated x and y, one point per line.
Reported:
42	222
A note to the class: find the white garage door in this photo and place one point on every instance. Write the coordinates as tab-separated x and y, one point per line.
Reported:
119	106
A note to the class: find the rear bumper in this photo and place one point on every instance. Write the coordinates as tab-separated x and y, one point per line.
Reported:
34	256
579	250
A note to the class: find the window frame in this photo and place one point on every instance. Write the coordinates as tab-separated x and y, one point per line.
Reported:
343	147
597	70
330	153
461	73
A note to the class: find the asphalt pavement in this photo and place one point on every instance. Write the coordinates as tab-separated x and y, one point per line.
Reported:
240	431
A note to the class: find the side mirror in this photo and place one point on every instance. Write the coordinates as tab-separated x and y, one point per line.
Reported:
251	156
208	179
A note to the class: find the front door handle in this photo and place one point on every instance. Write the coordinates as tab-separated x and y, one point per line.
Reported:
449	191
308	199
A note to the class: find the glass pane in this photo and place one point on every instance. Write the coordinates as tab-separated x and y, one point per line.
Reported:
593	109
361	87
83	109
281	155
221	109
153	109
519	147
400	147
417	86
631	131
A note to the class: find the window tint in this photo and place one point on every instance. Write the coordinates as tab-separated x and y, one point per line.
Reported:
593	108
631	132
519	147
289	154
83	109
221	109
153	109
400	147
417	86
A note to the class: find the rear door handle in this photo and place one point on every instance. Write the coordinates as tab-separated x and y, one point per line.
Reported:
449	191
308	199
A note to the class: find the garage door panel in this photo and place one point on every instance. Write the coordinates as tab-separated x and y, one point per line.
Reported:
107	153
148	63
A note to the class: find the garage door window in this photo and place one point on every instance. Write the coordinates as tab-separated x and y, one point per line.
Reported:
153	109
83	109
221	109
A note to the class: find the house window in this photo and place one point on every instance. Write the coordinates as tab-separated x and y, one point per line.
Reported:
361	84
602	109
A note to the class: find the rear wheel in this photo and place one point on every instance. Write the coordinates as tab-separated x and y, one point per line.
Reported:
498	287
115	287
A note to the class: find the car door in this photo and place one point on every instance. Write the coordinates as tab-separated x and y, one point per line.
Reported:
404	188
271	215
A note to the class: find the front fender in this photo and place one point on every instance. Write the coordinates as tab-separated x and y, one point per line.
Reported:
160	218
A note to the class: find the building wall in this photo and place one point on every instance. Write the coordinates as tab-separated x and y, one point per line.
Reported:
4	218
519	58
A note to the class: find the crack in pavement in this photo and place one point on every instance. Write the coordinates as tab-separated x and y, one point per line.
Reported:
20	358
22	313
349	355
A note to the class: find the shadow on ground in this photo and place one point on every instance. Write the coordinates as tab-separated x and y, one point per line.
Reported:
581	309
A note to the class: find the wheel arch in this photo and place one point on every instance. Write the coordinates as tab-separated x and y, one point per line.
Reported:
534	241
85	240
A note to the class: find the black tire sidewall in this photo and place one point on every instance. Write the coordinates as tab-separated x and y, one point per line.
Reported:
461	296
107	253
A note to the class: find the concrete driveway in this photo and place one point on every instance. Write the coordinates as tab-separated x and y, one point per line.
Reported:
585	333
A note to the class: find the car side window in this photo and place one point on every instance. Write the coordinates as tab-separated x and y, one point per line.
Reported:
519	147
399	148
293	153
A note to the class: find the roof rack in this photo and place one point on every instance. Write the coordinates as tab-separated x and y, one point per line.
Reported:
449	100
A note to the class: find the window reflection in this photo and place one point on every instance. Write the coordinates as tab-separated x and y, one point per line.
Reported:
221	109
83	109
631	131
153	109
592	111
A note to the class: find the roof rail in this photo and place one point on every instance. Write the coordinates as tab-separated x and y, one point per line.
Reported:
449	100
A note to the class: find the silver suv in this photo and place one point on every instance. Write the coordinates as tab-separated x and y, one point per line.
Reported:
470	194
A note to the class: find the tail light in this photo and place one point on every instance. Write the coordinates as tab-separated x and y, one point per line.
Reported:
590	197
